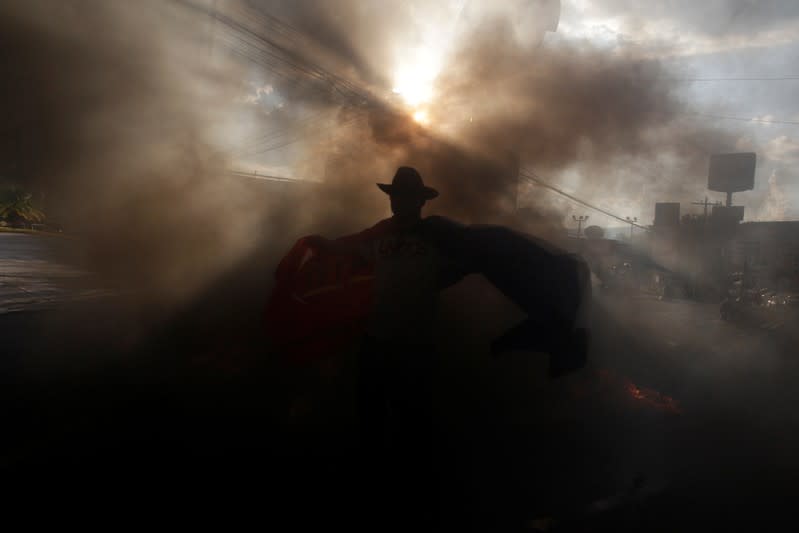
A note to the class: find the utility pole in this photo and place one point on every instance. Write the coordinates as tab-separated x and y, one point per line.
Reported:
632	221
706	203
580	220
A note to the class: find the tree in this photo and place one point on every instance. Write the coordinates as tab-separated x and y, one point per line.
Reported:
16	207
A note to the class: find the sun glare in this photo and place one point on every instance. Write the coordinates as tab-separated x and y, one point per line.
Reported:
420	116
414	81
414	78
416	93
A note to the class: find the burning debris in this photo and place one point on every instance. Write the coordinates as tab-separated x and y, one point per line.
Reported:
652	398
607	383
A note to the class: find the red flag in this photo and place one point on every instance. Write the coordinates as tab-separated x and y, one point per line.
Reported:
319	303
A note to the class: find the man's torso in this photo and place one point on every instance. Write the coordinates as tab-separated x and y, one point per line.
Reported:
407	280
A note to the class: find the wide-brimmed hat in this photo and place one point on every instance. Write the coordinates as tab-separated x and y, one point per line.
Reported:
407	181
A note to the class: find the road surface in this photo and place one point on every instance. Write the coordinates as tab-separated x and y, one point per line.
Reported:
681	422
34	274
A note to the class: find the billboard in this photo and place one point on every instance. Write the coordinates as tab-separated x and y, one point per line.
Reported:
732	172
667	214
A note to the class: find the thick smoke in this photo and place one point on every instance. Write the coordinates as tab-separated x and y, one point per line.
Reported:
776	205
108	109
115	111
504	101
734	18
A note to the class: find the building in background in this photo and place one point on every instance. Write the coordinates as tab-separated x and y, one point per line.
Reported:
769	252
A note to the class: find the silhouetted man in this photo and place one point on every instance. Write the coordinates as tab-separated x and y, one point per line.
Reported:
414	259
396	361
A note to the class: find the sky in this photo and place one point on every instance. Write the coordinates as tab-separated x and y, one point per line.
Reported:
719	39
693	43
145	108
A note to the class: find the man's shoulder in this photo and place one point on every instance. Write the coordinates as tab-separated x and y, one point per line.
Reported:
368	235
433	228
437	221
384	225
380	229
440	229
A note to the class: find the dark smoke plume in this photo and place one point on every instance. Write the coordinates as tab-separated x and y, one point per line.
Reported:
107	110
500	104
115	111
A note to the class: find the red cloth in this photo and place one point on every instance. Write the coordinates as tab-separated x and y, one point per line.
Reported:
320	301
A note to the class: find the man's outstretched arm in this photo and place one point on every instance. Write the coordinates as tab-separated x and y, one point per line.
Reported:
326	245
356	244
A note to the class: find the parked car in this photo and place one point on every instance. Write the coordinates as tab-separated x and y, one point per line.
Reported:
760	307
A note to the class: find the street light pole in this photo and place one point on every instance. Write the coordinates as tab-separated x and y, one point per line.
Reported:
580	220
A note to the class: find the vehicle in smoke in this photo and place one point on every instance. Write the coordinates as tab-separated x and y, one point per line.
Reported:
640	275
620	277
670	285
759	307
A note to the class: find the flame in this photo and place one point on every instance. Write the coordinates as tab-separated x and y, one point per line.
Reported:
653	398
634	391
610	382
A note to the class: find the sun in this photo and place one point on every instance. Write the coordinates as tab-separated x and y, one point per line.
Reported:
415	74
420	116
415	94
414	77
415	86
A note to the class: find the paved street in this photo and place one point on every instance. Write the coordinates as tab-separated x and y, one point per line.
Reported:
696	412
34	274
687	347
702	409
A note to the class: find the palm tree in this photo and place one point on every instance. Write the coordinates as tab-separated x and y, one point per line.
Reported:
16	207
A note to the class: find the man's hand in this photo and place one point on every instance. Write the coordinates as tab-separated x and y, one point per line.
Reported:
568	350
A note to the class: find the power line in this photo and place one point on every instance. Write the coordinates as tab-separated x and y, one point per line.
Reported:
766	78
281	132
275	45
267	177
533	178
299	136
527	175
284	60
745	119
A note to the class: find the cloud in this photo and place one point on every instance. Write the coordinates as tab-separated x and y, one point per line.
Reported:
260	92
684	28
711	17
783	149
612	118
117	105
